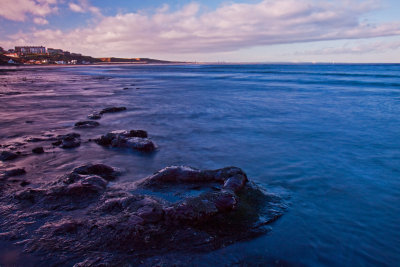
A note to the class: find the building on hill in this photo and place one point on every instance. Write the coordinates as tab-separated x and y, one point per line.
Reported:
27	50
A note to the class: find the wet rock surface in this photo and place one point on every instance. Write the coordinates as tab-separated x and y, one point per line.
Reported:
82	219
98	115
14	172
94	116
86	124
112	110
7	155
71	140
38	150
133	139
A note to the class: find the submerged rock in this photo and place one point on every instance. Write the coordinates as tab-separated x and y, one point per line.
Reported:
14	172
94	116
8	155
112	110
134	139
87	124
38	150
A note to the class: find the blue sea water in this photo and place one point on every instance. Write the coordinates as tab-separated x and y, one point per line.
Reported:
325	138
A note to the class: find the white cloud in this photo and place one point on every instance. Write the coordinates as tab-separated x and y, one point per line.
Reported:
83	6
76	8
228	28
18	10
40	21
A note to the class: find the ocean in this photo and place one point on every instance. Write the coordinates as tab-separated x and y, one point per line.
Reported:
322	137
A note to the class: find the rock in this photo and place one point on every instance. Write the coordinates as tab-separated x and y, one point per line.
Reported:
208	203
79	218
226	201
14	172
138	133
95	181
134	139
38	150
112	110
7	155
141	144
25	183
65	226
102	170
151	213
86	186
86	124
68	141
35	139
57	143
94	116
233	178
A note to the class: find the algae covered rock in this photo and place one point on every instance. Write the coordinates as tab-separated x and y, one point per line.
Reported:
133	139
82	218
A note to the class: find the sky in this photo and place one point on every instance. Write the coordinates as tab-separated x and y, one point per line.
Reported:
364	31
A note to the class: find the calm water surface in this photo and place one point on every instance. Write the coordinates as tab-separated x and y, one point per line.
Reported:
326	138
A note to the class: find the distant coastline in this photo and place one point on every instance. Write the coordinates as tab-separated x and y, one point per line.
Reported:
39	55
45	59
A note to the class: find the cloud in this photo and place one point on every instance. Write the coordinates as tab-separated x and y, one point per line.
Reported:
40	21
76	8
230	27
18	10
83	6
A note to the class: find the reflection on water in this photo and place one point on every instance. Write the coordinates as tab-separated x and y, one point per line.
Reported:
325	137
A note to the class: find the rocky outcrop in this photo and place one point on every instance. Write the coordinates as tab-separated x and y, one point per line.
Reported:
209	202
133	139
75	190
197	209
68	140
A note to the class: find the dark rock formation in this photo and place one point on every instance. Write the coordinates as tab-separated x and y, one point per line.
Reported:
25	183
112	110
14	172
38	150
68	141
87	124
206	204
82	219
94	116
134	139
7	155
102	170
